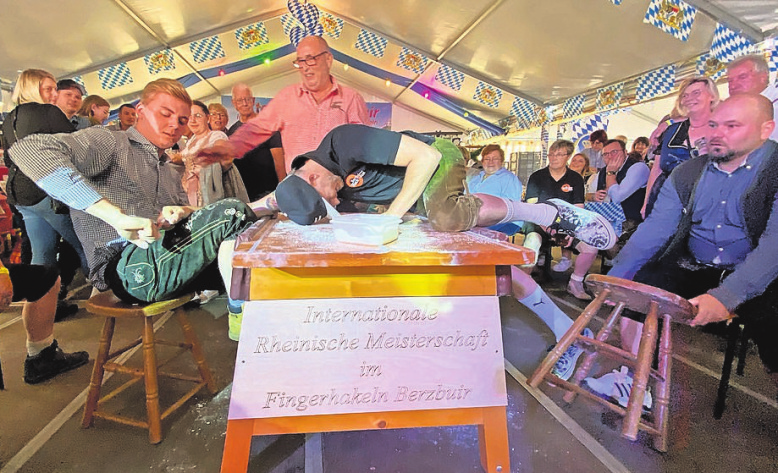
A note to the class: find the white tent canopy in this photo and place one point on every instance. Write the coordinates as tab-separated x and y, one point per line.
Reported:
543	52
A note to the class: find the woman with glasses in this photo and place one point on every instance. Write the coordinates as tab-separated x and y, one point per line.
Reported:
697	97
219	117
207	184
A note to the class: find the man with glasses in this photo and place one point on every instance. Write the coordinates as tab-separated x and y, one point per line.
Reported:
557	181
622	181
304	113
262	167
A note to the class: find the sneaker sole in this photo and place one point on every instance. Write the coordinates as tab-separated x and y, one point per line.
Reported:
598	232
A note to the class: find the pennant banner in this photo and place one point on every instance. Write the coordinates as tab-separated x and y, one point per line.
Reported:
114	76
671	16
289	22
487	95
728	45
573	106
609	97
524	111
306	13
657	82
412	61
251	36
206	49
371	43
585	126
331	25
709	66
160	61
450	77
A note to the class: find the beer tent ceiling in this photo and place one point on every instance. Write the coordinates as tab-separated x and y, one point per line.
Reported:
498	51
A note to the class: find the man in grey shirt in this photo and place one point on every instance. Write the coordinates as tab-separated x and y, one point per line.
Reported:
123	192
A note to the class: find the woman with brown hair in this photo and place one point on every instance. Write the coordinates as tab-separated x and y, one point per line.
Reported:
96	109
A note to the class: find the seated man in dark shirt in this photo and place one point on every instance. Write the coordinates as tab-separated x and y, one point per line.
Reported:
713	232
368	165
557	181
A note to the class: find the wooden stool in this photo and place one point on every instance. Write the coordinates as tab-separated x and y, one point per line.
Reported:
110	307
653	302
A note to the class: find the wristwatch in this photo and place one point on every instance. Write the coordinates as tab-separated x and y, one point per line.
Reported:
611	173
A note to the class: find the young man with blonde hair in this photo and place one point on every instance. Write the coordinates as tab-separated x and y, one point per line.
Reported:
123	191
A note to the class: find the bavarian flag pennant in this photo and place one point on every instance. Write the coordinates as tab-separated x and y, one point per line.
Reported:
671	16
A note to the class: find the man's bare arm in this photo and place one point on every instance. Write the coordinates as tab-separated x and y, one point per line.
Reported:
420	161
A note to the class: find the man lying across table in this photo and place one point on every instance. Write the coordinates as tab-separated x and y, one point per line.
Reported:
374	166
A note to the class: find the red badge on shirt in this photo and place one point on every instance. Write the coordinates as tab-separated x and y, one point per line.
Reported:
356	179
567	188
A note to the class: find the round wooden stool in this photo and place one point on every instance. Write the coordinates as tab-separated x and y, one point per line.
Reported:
656	304
109	306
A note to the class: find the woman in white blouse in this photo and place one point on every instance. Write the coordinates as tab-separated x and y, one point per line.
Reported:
202	137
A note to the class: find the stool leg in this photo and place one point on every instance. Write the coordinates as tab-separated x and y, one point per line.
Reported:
150	379
197	351
662	404
2	383
588	361
726	370
98	371
642	371
567	339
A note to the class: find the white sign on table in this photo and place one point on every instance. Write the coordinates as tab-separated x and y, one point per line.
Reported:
336	356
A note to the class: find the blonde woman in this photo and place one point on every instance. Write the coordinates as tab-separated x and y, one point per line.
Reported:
96	109
44	218
697	97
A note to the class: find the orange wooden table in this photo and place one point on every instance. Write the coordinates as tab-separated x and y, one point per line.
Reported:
277	260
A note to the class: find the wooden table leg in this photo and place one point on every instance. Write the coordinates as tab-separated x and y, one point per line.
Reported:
493	440
237	446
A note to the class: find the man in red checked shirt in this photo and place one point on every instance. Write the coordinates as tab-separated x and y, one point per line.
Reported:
304	113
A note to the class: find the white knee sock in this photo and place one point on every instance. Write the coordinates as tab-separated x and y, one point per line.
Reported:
540	214
539	303
34	348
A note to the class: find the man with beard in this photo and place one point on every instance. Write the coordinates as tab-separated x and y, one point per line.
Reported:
713	233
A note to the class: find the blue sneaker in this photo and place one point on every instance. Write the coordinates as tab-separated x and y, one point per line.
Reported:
565	366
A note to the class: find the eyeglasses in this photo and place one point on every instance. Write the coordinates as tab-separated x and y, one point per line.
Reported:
245	100
611	154
560	154
308	60
219	115
198	115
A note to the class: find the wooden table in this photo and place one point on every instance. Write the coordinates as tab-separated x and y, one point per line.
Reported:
279	261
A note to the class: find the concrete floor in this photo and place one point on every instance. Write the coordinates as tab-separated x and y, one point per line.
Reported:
40	425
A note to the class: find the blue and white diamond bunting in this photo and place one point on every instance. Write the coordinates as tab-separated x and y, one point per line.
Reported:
573	106
288	22
671	16
487	95
160	61
450	77
371	43
114	76
657	82
412	61
609	97
586	125
524	111
331	24
206	49
728	45
251	36
709	66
